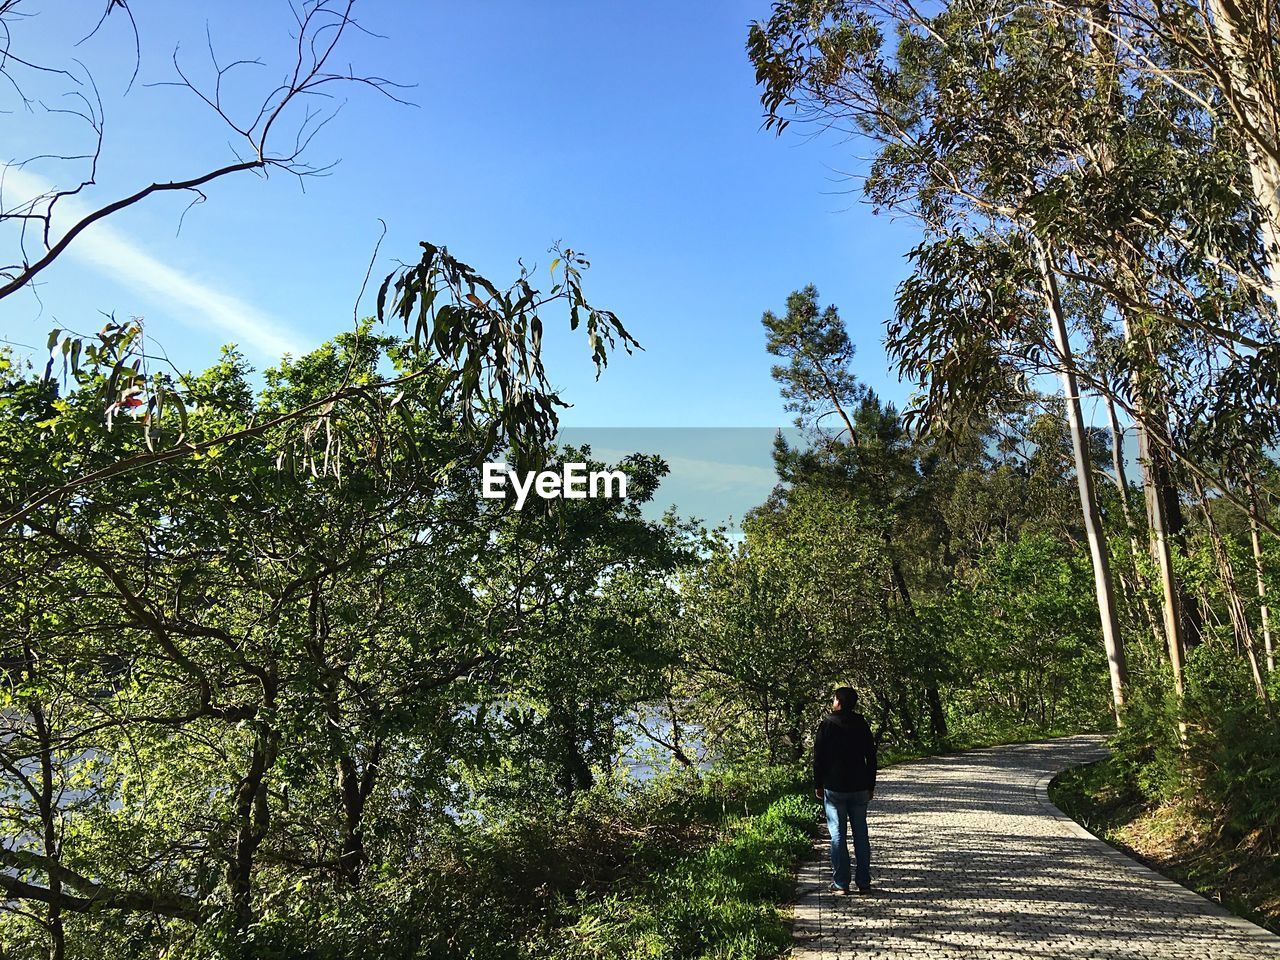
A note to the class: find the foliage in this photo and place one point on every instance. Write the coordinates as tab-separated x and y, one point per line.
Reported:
686	866
721	902
285	661
279	681
1096	193
1022	626
796	605
1174	838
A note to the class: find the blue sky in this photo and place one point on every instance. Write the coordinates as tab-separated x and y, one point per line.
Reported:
630	132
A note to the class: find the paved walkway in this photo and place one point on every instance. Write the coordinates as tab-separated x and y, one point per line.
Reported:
970	860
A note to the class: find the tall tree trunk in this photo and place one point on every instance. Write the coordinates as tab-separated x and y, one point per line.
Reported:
1173	595
1255	538
1103	30
1102	34
1084	481
1165	489
1142	586
1180	611
1242	39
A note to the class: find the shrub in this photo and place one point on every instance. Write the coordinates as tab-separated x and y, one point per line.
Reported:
721	902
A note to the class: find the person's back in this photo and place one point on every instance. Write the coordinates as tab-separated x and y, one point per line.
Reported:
844	753
844	779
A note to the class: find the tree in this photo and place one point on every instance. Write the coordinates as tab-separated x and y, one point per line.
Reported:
580	586
1018	624
228	629
803	603
870	458
280	614
1021	202
270	130
818	381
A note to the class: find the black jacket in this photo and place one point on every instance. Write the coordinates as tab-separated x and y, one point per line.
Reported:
844	754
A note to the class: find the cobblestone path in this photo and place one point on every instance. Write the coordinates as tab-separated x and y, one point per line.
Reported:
970	860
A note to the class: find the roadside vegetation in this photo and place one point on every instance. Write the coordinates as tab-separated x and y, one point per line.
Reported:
279	682
308	694
1203	813
685	867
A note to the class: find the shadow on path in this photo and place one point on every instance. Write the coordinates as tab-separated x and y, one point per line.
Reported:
970	861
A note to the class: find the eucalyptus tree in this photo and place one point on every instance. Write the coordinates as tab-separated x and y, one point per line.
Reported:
1220	54
1051	166
970	169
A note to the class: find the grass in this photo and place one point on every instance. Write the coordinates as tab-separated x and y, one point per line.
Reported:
683	867
730	899
1174	839
724	902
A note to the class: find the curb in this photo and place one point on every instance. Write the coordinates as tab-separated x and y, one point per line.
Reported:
1118	857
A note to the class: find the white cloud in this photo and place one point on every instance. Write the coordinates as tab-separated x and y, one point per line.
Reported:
114	255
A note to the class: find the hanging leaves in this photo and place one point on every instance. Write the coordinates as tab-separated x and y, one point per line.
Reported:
488	341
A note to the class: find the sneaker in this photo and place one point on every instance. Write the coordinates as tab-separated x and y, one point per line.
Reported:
838	890
864	891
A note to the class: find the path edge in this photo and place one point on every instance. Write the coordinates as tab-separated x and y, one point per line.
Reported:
1120	858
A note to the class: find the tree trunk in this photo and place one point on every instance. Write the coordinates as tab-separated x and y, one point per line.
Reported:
1242	40
1117	461
1255	537
251	822
354	787
909	732
795	731
1165	488
574	774
1181	612
1084	482
49	823
885	724
1172	594
1103	31
937	714
1142	586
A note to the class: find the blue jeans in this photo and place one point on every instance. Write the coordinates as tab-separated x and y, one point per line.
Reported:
850	808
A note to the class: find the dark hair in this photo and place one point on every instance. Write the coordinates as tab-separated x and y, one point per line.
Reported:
847	697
